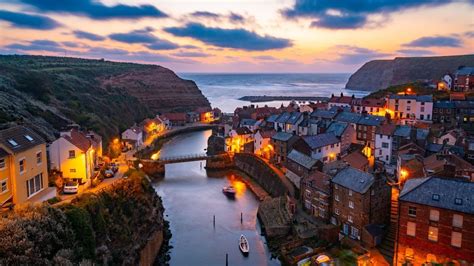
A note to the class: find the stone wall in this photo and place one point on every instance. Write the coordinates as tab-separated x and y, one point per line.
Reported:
152	248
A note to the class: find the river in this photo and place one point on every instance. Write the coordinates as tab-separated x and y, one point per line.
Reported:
191	199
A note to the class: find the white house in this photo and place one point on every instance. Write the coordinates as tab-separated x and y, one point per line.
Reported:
262	144
74	154
383	143
325	147
411	107
133	137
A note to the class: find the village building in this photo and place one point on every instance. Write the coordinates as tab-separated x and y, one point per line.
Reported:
359	199
444	112
206	115
383	143
435	222
325	147
345	132
464	79
75	155
410	108
262	143
401	136
299	165
249	123
238	138
280	122
132	138
356	160
348	117
176	119
341	101
271	122
448	165
23	165
282	143
315	193
369	106
292	123
465	114
365	130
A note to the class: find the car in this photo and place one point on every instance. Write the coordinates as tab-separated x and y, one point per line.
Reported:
114	167
71	187
109	173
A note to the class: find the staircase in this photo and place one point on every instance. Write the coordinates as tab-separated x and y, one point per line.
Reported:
387	247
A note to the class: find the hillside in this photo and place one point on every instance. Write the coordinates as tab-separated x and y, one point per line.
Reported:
380	74
48	93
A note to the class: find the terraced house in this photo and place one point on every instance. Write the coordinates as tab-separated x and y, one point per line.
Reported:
23	165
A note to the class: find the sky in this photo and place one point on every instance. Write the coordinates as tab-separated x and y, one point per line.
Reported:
327	36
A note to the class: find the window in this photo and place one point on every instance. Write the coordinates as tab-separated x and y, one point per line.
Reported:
409	253
434	215
457	220
422	117
349	218
72	170
72	154
435	197
385	145
22	165
39	158
350	192
29	138
354	232
351	204
3	186
34	185
2	163
411	228
456	239
433	233
458	201
336	197
412	211
336	211
422	108
13	142
336	186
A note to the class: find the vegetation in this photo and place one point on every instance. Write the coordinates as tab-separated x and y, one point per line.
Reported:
416	87
110	227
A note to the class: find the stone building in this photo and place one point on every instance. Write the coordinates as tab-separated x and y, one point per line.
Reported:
315	192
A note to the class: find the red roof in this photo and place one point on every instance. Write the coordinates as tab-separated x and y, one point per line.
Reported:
203	109
78	139
373	102
341	99
356	160
386	129
175	116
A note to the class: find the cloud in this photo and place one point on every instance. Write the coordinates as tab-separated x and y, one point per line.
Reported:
88	36
205	14
265	58
415	52
162	45
37	45
435	41
191	54
351	14
231	17
22	20
95	9
353	55
236	18
144	36
469	34
229	38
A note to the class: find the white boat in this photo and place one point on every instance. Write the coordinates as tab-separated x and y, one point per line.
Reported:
229	191
244	245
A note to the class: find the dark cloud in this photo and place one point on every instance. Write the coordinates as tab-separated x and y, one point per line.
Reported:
95	9
191	54
351	14
37	45
144	37
22	20
205	14
87	35
435	41
229	38
353	55
234	17
415	52
265	58
162	45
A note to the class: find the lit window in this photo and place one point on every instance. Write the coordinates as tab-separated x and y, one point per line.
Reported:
22	165
72	154
412	211
409	253
434	215
349	218
351	204
2	163
457	220
456	239
3	186
433	233
411	228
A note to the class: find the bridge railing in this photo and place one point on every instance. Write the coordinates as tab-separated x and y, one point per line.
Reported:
183	157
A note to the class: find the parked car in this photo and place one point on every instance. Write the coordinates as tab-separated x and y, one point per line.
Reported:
109	173
114	167
71	187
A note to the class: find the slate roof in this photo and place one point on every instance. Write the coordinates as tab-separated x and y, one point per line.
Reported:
421	191
371	120
386	130
283	117
422	134
434	147
324	114
337	128
272	118
348	117
444	104
402	131
243	131
321	140
23	137
418	98
371	102
282	136
354	179
465	71
295	116
304	122
248	122
302	159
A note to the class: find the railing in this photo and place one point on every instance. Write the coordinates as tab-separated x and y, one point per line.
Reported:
187	157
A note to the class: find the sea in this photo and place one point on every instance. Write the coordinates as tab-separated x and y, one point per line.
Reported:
224	89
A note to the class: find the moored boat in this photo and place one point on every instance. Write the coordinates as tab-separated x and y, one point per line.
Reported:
244	245
229	191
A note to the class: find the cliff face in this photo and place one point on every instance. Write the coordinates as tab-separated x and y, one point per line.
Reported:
48	93
379	74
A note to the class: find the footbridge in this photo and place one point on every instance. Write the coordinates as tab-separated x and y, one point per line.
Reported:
183	158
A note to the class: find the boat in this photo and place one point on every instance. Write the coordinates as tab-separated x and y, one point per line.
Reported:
244	245
229	191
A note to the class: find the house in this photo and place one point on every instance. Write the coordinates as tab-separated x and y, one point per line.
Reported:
262	144
409	166
249	123
435	222
370	106
299	165
359	199
401	136
345	133
465	114
448	165
383	143
292	123
365	130
176	119
271	122
133	137
325	147
193	117
315	192
348	117
304	128
282	143
206	115
410	108
464	79
451	137
340	101
238	138
356	160
280	122
75	155
23	165
444	112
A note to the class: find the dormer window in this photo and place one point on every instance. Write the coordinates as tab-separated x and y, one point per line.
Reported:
13	142
435	197
29	138
458	201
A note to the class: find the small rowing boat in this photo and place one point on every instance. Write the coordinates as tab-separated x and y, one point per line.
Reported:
244	245
229	191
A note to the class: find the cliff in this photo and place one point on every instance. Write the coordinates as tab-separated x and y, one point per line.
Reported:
120	225
380	74
48	93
